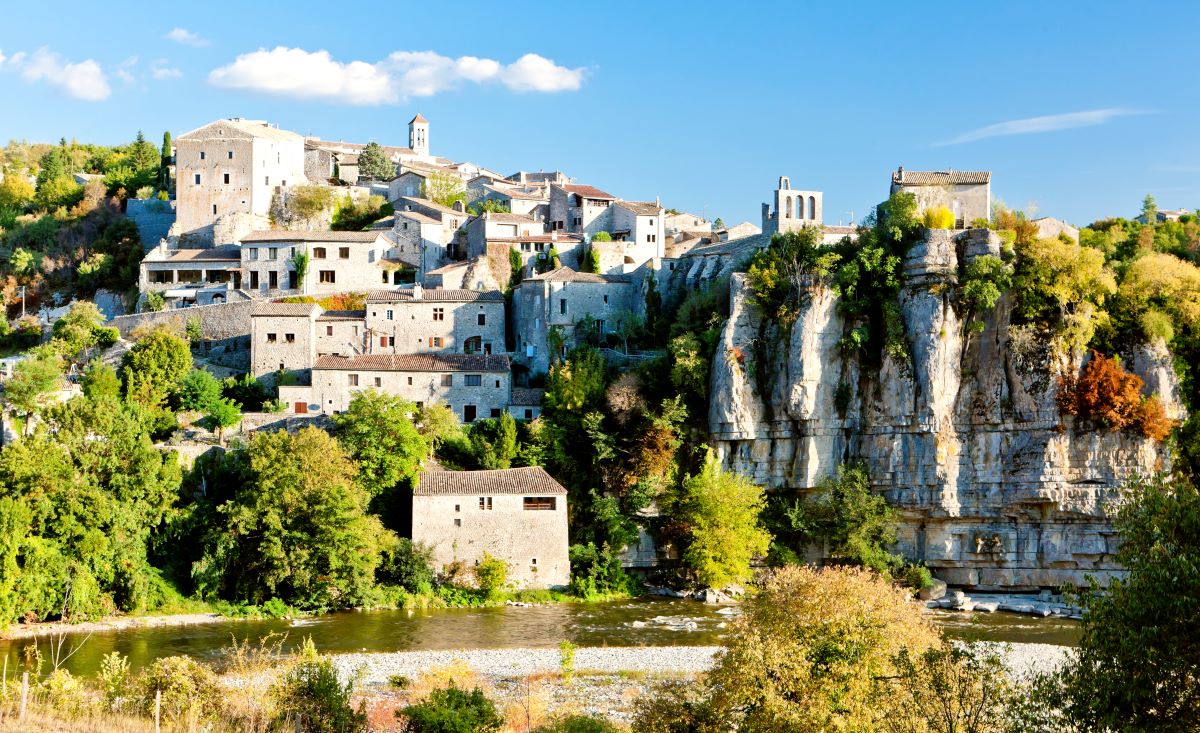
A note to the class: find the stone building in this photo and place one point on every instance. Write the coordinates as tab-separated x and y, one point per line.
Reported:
490	227
518	515
474	386
579	209
195	276
1050	228
283	338
231	167
968	194
550	309
792	210
337	262
417	320
325	158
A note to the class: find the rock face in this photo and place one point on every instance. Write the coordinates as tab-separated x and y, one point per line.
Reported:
995	488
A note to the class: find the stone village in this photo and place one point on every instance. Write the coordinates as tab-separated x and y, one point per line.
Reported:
471	309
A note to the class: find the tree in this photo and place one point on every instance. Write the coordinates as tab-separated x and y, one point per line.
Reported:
1137	666
154	368
949	689
99	380
451	710
1149	210
374	163
986	279
165	157
443	188
78	329
602	236
312	693
491	574
16	192
295	527
154	301
718	224
592	261
721	510
32	382
223	413
142	154
378	432
516	267
300	263
21	261
437	423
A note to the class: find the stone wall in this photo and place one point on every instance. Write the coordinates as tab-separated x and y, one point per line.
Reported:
995	488
217	322
412	325
153	219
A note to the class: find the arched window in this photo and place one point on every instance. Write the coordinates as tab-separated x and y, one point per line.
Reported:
812	207
788	215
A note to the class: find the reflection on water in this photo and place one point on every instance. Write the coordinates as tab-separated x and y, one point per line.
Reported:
641	622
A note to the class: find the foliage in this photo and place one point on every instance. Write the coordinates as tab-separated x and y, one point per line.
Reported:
300	265
223	413
516	268
1166	284
437	423
491	574
154	367
493	206
679	707
199	390
451	710
374	163
32	382
378	433
779	274
591	261
443	188
189	689
948	689
99	380
1137	666
985	280
1062	286
154	301
855	523
938	217
579	724
602	236
303	204
295	526
1109	396
312	693
245	390
355	216
16	192
596	571
721	509
408	565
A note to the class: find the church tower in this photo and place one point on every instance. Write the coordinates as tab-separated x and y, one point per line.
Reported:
418	135
794	210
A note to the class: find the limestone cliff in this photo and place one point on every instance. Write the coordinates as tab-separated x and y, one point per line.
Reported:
964	436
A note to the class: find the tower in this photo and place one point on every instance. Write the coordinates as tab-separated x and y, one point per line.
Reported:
418	135
793	209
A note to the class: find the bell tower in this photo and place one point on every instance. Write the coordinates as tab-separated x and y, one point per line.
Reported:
418	135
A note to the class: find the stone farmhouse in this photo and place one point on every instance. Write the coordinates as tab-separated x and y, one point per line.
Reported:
968	194
551	308
232	168
417	320
518	515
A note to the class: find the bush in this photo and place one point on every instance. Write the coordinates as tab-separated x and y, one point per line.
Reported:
199	391
312	693
491	574
678	707
451	710
189	689
938	217
408	564
1109	396
154	301
579	724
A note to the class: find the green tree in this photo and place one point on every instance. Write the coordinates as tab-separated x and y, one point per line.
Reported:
491	575
443	188
377	431
154	301
21	261
16	192
154	367
986	279
451	710
437	423
165	157
300	264
1149	210
223	413
296	527
718	224
516	267
591	262
142	154
602	236
721	510
32	382
374	163
199	390
100	380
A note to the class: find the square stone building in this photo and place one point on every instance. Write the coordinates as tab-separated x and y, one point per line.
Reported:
518	515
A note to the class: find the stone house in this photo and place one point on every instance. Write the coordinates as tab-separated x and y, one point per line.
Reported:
337	261
419	320
283	337
474	386
490	226
425	235
453	275
518	515
192	276
1050	228
231	167
410	183
638	236
531	200
323	158
685	222
549	309
968	194
579	209
526	403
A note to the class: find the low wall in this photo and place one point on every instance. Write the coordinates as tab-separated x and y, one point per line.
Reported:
219	321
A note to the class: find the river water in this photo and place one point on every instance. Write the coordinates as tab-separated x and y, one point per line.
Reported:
639	622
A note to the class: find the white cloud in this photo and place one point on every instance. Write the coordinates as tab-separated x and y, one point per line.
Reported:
161	69
82	80
186	37
1047	123
301	74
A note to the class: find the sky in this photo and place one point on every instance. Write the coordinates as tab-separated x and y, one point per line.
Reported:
1078	109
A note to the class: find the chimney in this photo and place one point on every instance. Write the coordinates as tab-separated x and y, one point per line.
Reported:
658	201
418	291
900	174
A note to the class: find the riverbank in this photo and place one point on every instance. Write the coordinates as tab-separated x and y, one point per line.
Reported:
17	632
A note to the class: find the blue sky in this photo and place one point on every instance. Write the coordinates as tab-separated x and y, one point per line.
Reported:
1079	108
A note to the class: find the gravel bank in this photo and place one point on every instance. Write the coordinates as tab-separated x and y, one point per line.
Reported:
116	623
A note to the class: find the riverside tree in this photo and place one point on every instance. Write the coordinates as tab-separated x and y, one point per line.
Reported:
721	509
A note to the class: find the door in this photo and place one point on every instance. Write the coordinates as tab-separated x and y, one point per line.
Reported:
301	408
468	413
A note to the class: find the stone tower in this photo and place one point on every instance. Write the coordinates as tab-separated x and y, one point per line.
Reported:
418	135
792	209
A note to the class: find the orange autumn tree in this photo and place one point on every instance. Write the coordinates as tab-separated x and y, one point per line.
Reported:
1109	396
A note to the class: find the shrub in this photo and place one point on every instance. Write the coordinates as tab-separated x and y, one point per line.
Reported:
451	710
721	510
113	676
491	574
566	653
199	390
938	217
189	689
579	724
408	564
947	688
1111	397
312	693
602	236
154	301
1157	325
678	707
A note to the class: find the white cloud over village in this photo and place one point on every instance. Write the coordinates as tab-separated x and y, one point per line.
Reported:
84	80
1045	123
302	74
186	37
161	69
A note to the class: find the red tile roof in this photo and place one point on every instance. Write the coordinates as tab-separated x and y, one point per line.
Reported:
434	295
533	481
588	192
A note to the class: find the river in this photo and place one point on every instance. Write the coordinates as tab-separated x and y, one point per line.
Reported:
639	622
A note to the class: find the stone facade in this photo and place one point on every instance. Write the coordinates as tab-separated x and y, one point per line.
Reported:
995	488
417	320
518	515
283	338
967	194
579	209
792	210
337	262
231	166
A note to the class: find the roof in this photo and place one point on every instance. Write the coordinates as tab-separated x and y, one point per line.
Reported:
250	128
434	362
940	178
418	217
732	246
641	208
348	159
526	396
434	295
342	316
323	236
285	309
588	192
228	253
506	218
554	237
418	118
448	268
532	480
535	194
566	274
430	205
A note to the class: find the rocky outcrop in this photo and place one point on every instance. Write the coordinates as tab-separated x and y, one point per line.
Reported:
963	436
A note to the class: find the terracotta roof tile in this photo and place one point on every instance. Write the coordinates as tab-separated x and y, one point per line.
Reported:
285	309
533	481
566	274
433	362
324	236
940	178
588	192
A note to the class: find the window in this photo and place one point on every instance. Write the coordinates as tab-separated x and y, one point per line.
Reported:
254	280
458	507
474	380
329	330
214	209
272	253
447	380
352	379
562	305
495	412
318	253
435	342
266	180
387	340
328	276
600	325
439	314
343	253
481	319
497	384
201	158
226	179
272	280
378	381
410	384
485	503
606	300
385	277
271	338
651	237
252	254
469	415
540	503
289	337
390	313
473	345
457	521
529	414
